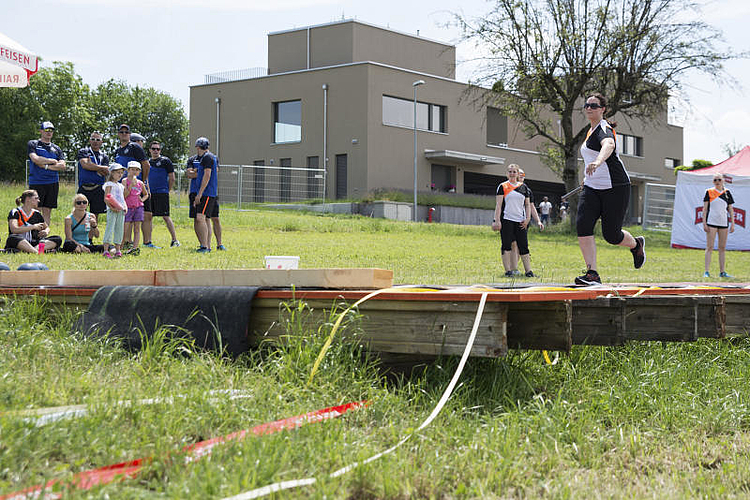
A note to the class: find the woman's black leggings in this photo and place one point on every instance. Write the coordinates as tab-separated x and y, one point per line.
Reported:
609	204
512	231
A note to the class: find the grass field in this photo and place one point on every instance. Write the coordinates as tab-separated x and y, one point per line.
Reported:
648	420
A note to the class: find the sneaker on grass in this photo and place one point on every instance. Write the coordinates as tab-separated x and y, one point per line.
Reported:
175	243
203	250
221	247
639	252
150	245
724	274
530	274
706	274
590	278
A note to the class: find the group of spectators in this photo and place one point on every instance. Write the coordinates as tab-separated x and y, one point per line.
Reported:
131	190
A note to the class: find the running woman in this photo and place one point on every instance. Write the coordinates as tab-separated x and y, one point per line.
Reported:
606	193
717	211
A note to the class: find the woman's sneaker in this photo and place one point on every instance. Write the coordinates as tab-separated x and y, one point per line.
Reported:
639	252
706	274
725	275
590	278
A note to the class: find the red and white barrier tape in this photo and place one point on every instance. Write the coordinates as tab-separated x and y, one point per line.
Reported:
286	485
88	479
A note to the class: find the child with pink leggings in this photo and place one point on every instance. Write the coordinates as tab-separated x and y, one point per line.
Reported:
135	194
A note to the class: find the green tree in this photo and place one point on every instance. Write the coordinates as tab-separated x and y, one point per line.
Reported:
56	94
150	112
543	57
59	95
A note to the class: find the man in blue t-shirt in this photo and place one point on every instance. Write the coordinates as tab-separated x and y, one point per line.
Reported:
93	167
202	172
47	159
161	179
130	151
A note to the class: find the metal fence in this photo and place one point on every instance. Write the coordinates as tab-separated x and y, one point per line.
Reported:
658	207
244	184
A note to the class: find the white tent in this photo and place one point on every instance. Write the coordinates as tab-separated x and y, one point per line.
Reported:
16	63
687	221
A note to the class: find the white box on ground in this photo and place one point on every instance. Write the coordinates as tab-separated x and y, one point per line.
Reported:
282	261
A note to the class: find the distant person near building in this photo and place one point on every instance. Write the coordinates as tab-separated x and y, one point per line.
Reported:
47	159
93	168
512	216
545	207
162	180
201	170
718	210
606	193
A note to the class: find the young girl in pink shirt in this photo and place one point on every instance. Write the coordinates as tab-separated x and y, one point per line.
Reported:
135	193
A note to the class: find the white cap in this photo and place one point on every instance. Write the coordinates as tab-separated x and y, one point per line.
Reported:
134	164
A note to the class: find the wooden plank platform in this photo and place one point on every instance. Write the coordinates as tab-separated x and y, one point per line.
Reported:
429	321
337	279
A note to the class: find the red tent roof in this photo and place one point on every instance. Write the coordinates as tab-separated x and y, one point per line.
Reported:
738	164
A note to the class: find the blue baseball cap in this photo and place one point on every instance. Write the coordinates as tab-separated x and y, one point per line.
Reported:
202	143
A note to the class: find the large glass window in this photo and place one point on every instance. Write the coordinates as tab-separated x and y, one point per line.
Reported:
287	121
630	145
497	127
400	112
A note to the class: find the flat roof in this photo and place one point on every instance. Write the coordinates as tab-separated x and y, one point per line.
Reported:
344	21
462	157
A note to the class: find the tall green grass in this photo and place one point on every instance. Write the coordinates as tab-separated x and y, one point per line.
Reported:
647	420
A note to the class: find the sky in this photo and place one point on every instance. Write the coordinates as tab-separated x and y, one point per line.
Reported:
170	45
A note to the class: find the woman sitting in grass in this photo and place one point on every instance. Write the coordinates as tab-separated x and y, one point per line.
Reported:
27	227
81	228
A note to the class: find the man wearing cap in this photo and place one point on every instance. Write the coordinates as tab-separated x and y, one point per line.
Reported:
131	151
162	181
47	160
93	167
203	190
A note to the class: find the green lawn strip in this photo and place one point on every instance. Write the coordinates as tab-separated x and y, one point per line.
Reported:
644	420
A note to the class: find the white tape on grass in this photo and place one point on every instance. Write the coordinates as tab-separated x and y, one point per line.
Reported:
44	416
286	485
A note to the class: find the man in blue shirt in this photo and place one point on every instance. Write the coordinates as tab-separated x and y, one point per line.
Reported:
47	160
162	181
202	170
93	167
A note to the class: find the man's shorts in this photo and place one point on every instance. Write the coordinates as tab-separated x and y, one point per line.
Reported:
158	204
134	214
47	194
95	194
215	212
206	206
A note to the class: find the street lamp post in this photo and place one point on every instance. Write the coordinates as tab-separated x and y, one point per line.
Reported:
414	209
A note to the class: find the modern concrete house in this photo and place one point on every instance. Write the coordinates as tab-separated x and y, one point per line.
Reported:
340	97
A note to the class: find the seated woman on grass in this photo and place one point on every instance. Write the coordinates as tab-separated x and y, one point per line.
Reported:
81	228
27	227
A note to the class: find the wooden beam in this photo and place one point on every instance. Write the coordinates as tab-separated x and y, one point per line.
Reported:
738	313
423	328
540	325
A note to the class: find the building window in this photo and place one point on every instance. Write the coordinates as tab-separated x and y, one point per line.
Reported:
400	112
629	145
671	163
287	121
497	127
